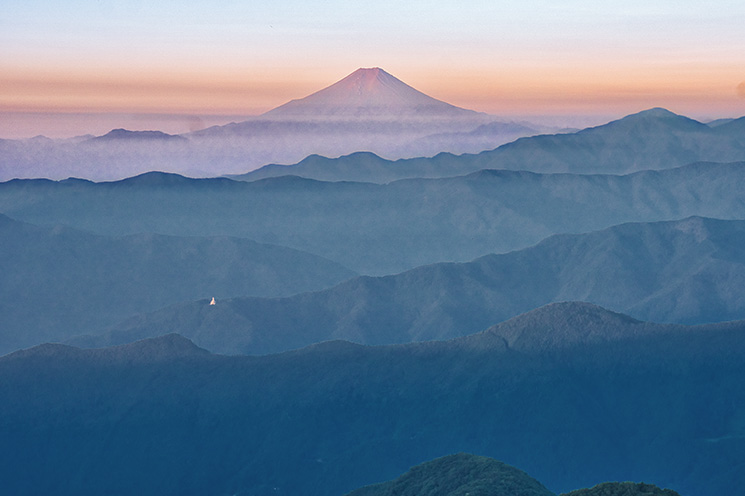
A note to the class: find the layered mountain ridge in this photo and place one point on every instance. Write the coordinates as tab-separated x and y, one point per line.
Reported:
685	272
651	139
569	303
383	229
163	417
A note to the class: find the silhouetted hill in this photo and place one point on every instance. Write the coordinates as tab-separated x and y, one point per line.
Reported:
685	271
383	229
664	405
456	475
623	489
652	139
59	279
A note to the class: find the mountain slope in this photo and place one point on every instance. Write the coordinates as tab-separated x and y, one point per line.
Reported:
686	271
58	279
664	406
382	229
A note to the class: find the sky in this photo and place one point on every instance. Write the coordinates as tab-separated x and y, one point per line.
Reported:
69	67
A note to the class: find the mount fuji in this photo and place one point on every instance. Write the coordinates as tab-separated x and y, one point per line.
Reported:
369	110
370	93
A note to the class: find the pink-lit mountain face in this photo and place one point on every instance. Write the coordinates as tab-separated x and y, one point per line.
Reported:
369	94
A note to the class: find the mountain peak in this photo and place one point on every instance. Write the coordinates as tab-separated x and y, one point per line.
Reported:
370	79
659	116
657	112
369	93
369	71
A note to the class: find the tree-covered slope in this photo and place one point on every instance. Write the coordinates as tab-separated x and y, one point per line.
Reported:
382	229
458	475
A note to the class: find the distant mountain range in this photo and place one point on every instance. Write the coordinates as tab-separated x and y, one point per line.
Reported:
58	279
614	399
688	271
350	116
382	229
368	110
653	139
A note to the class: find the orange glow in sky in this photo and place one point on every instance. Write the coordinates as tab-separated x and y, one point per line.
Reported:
232	59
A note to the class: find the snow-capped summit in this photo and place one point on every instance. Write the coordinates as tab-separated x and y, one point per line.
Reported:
369	93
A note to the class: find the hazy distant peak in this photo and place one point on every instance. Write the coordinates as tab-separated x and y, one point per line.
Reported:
125	134
372	80
40	138
154	178
369	93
